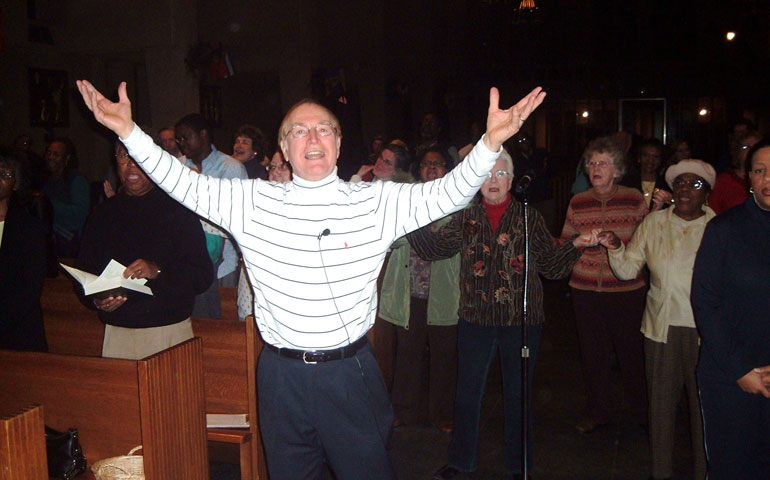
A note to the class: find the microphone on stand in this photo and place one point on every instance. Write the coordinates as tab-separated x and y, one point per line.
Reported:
522	186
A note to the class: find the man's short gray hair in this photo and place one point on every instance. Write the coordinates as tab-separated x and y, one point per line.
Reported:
285	127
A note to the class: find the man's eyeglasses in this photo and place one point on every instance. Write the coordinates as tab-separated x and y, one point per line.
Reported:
7	175
500	174
696	184
323	129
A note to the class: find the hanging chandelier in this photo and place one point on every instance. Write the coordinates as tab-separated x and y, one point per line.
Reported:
527	5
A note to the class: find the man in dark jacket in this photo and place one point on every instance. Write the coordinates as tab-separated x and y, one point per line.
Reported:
157	239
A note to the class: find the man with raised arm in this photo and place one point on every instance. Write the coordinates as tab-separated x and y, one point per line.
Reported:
313	249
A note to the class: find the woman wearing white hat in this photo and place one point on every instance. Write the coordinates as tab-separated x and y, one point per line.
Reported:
667	241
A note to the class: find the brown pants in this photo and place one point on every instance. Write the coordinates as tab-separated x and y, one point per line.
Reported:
138	343
670	367
607	321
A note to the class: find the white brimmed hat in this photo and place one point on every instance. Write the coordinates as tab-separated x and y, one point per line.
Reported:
697	167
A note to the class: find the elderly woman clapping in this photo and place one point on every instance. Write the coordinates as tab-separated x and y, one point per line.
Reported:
667	241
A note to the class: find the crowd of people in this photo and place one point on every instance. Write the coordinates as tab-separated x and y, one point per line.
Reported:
658	281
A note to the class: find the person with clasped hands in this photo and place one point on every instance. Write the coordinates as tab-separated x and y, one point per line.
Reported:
667	241
158	240
730	285
313	249
608	310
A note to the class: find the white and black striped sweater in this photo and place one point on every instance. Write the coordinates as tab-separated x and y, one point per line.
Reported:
313	291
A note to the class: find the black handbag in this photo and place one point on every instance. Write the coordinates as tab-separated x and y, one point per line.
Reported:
65	456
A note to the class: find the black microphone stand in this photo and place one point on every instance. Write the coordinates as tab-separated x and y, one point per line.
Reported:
525	343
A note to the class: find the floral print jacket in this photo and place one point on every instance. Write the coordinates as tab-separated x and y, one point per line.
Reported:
492	263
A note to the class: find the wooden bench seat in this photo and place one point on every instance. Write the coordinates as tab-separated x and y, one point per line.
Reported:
230	352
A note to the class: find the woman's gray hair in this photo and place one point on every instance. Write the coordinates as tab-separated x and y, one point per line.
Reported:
506	157
610	145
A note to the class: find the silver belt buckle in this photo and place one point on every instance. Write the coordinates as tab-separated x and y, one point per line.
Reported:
304	358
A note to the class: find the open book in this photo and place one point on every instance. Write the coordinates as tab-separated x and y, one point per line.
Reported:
110	283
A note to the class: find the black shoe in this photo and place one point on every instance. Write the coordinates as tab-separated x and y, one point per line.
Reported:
447	472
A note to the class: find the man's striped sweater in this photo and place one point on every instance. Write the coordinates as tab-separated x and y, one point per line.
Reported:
313	250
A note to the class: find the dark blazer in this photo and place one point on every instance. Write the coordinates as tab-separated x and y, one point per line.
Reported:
633	179
22	270
730	285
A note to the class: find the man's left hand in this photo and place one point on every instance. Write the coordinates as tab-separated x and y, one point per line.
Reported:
503	124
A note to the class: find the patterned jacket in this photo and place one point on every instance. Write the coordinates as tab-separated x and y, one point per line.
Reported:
492	263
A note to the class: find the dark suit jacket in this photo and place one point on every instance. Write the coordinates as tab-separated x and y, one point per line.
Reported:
22	270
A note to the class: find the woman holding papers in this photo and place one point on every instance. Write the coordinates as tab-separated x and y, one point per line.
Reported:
158	240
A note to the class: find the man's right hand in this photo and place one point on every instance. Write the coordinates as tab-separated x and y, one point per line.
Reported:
110	304
115	116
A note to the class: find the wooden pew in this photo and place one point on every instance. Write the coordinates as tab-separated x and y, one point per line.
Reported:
115	404
230	352
22	445
228	300
71	328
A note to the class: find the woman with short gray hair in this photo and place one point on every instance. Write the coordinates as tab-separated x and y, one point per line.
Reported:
608	311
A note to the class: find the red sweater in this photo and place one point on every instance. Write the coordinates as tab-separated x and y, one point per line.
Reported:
620	212
729	190
495	212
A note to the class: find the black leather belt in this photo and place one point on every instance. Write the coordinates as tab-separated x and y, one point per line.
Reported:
316	356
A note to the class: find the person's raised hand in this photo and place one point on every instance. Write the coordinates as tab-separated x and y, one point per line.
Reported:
109	192
364	169
115	116
660	198
503	124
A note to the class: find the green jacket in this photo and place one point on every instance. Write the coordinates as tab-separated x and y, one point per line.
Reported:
444	296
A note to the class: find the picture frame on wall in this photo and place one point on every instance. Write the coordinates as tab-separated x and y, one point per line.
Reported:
211	104
48	98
